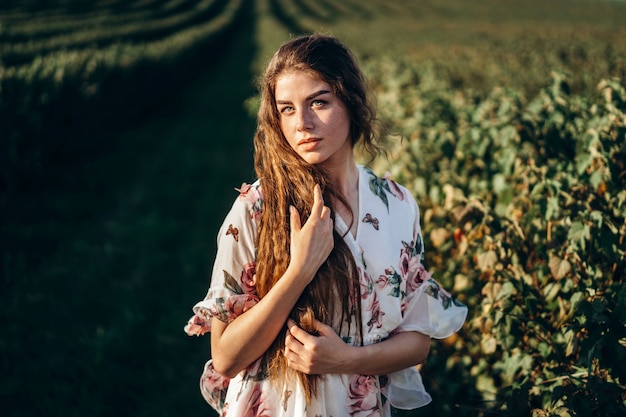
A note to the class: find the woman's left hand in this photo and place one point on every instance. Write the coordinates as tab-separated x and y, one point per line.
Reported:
323	354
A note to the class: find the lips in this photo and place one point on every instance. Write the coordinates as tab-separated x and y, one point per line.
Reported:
309	144
308	140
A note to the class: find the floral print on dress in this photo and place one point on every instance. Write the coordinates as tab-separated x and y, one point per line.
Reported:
253	195
213	387
227	309
257	404
367	284
392	281
376	314
394	188
248	278
395	292
197	325
447	301
383	186
363	396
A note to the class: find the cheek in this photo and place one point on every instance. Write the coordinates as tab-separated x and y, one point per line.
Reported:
285	125
340	124
286	130
340	119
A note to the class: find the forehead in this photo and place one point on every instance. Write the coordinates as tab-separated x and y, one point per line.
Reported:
295	82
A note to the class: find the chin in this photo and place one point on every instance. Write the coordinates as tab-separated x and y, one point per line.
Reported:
314	160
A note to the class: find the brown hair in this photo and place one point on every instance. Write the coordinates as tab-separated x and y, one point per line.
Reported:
286	179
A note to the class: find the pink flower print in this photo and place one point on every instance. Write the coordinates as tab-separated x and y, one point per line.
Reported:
382	281
236	305
248	278
197	326
416	275
257	404
393	186
363	396
405	260
213	387
367	285
254	196
403	307
376	318
254	368
243	191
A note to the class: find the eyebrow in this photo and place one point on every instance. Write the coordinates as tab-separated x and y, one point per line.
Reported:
309	97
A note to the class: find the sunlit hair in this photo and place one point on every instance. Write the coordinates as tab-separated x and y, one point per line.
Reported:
286	179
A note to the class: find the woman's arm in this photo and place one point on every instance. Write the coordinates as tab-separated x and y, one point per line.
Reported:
327	353
237	344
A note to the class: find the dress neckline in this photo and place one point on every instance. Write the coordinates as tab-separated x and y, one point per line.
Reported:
340	224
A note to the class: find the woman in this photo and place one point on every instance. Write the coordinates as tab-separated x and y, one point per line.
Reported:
319	304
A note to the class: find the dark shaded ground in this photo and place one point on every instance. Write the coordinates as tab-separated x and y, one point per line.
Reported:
102	264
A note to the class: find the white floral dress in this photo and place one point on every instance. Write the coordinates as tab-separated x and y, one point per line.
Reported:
397	295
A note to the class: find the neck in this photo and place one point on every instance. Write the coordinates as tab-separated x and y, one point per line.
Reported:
344	178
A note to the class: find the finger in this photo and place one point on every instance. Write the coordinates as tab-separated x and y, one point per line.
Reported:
294	219
318	201
291	344
297	333
325	214
321	328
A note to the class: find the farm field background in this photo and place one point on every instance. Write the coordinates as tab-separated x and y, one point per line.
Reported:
126	125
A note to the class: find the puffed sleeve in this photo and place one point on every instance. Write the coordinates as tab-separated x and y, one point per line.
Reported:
428	307
232	290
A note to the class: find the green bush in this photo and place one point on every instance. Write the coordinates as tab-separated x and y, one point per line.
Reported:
524	211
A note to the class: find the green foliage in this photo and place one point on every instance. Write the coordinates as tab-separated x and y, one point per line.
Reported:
535	193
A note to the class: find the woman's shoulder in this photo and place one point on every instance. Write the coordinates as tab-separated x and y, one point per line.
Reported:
250	193
386	189
249	201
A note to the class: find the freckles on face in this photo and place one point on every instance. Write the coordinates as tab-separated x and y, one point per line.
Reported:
313	119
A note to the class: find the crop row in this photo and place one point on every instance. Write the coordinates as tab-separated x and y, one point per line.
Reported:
103	35
44	97
21	27
21	10
516	45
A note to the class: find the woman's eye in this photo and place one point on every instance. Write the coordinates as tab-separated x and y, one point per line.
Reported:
286	109
318	103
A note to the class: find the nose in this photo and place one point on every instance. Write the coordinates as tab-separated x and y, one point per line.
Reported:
305	120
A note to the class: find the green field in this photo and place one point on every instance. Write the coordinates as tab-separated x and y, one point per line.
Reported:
126	125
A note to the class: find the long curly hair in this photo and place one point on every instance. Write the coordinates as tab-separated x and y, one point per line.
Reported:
333	297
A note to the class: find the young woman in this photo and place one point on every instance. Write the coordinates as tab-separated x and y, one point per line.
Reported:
319	303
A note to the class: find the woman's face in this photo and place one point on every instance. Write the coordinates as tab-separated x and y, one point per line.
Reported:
313	119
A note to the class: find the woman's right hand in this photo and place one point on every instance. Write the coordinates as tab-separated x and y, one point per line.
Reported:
312	242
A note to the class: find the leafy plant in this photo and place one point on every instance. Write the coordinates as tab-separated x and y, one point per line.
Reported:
524	204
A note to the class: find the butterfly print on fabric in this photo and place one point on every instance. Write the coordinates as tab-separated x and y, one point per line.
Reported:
371	220
286	396
233	231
